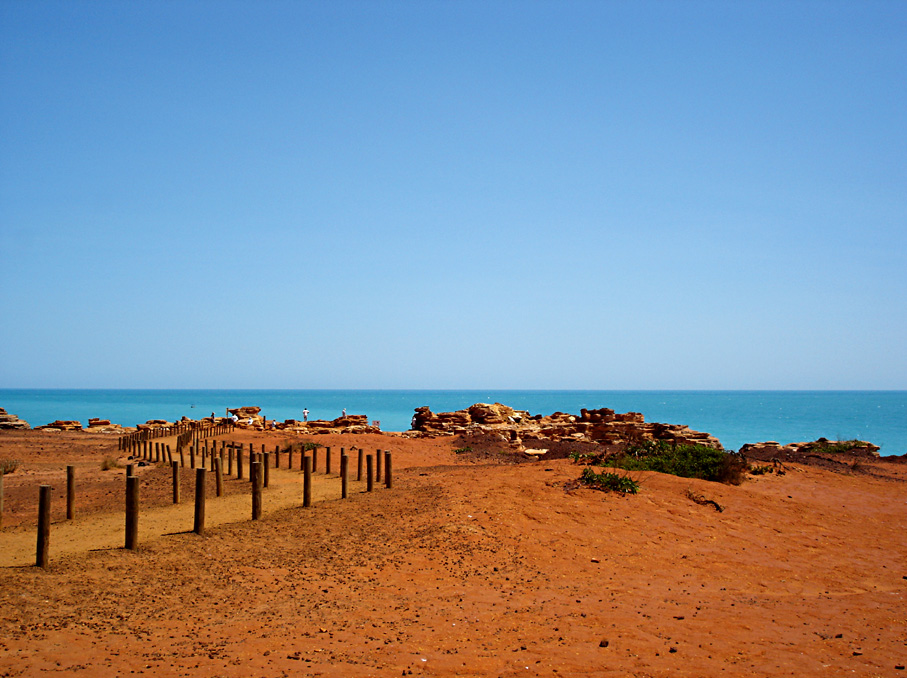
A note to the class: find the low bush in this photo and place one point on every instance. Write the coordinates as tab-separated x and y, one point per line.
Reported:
685	461
588	458
837	446
8	466
609	481
109	463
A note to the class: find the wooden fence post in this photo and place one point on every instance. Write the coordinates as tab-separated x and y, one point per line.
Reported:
266	465
327	460
70	492
290	458
369	473
219	475
132	512
230	451
256	475
43	545
239	462
277	456
182	456
199	527
359	470
191	456
388	475
175	472
314	460
378	460
254	457
307	481
344	465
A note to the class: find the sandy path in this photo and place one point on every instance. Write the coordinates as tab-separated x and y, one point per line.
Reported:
107	531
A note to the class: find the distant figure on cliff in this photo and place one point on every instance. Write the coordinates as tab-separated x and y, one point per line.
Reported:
305	414
344	412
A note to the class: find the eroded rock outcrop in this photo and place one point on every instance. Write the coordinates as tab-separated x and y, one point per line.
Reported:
603	426
352	423
61	425
770	449
96	425
12	422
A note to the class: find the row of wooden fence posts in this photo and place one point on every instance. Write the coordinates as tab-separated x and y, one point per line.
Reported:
259	465
184	433
138	443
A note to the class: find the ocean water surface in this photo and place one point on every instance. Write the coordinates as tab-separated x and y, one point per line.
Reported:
734	417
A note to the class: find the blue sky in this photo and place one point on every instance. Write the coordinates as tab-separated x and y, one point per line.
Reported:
611	195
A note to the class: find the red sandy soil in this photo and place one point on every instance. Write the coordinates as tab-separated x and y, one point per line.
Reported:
467	566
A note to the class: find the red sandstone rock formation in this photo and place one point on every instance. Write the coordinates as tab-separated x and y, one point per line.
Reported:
61	425
353	423
11	421
602	426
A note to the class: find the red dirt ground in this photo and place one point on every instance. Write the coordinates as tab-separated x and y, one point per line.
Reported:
467	566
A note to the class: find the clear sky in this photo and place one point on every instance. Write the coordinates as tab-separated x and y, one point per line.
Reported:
601	195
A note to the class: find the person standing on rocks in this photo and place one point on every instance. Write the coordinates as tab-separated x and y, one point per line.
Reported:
305	414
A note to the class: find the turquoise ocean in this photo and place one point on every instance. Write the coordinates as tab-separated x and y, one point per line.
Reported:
734	417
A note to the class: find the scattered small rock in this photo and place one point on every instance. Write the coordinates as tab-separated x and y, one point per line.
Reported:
603	643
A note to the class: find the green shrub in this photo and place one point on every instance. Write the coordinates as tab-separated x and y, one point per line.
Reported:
608	480
686	461
586	457
836	446
109	463
461	450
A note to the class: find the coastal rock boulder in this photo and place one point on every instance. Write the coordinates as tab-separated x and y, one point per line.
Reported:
352	423
248	417
480	414
61	425
12	422
103	426
602	426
